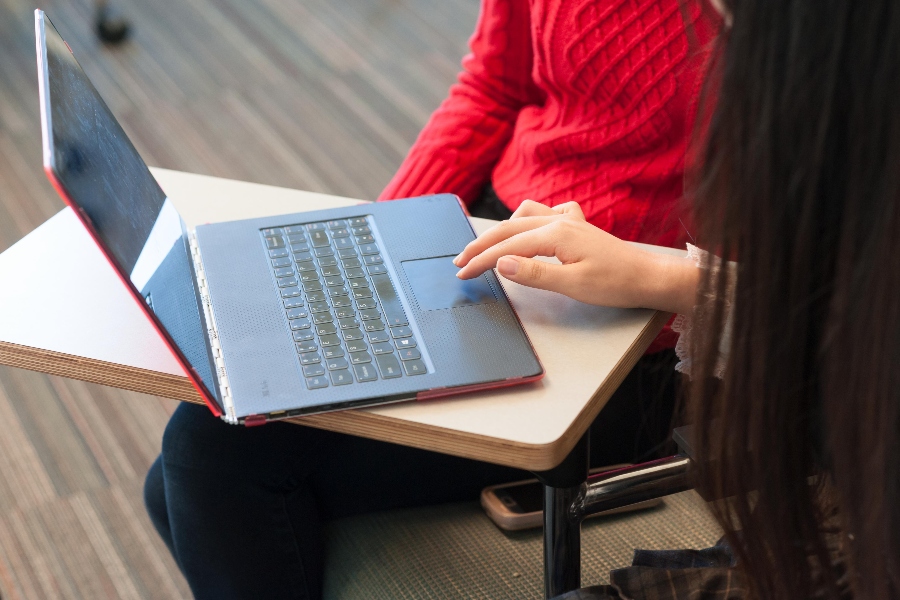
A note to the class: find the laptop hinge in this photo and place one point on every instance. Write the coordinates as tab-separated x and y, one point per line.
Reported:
212	332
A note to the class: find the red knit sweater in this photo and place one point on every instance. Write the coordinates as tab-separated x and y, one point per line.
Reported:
559	100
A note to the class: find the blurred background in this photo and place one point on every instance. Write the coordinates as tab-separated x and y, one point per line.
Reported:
321	95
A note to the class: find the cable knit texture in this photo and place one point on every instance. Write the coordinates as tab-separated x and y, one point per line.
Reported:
561	100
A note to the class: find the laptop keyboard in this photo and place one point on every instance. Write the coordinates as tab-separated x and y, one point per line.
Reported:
347	322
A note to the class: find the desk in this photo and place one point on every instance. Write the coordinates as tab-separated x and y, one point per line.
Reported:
100	335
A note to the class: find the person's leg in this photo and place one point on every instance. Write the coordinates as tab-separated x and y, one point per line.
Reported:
244	507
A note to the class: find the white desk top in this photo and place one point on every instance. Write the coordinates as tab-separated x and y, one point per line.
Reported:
87	313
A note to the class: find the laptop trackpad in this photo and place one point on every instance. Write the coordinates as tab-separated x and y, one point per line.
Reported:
436	286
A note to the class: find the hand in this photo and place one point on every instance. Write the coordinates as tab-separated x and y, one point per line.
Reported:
597	268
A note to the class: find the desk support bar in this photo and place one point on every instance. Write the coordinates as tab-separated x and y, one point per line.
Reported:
570	496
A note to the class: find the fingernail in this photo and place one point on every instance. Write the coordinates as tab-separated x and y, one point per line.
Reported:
456	260
508	266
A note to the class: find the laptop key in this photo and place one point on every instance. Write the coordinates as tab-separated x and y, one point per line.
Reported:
296	238
313	370
287	282
331	271
356	346
362	292
337	363
275	242
400	332
364	303
382	348
322	317
308	346
354	273
312	286
294	229
373	325
334	281
316	296
409	354
290	292
372	260
369	314
303	256
365	372
319	239
279	253
326	329
302	323
359	284
409	342
348	323
315	383
327	261
368	249
379	336
329	340
281	262
343	243
364	239
298	313
360	357
414	367
364	230
352	334
358	222
390	303
294	302
341	301
341	377
340	232
310	358
337	224
284	271
388	365
332	352
315	226
303	335
377	269
338	291
309	276
324	252
298	248
305	266
352	263
272	231
317	307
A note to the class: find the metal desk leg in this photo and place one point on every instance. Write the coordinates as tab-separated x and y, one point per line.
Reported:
562	525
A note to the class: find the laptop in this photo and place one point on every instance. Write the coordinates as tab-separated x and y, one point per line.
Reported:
282	316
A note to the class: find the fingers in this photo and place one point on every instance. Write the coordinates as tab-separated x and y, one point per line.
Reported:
541	241
499	232
535	273
530	208
572	209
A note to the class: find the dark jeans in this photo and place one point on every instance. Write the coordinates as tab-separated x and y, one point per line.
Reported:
242	509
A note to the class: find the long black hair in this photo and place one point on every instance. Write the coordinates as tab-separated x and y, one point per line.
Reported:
799	182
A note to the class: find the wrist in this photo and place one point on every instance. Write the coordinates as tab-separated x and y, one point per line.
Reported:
670	283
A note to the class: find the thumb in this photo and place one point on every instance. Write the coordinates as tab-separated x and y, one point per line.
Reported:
531	272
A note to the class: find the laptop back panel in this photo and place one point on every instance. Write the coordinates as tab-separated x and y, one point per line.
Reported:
102	177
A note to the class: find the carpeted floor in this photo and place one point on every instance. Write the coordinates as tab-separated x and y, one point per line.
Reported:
312	94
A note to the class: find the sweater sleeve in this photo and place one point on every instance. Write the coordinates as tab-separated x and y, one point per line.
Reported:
464	138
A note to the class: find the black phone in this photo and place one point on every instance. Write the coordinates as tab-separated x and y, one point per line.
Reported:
520	504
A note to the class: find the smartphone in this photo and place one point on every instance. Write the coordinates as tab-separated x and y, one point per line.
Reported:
520	504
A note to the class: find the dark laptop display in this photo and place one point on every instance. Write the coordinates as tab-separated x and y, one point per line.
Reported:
95	163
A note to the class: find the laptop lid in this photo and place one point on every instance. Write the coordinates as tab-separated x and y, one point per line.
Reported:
99	174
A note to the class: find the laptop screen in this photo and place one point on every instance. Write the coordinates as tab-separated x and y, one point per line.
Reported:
101	172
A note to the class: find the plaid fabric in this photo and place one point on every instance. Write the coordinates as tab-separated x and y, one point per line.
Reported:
707	574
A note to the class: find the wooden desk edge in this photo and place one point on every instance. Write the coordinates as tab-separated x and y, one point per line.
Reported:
533	457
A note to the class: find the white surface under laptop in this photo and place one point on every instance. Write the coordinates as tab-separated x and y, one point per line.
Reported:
87	312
